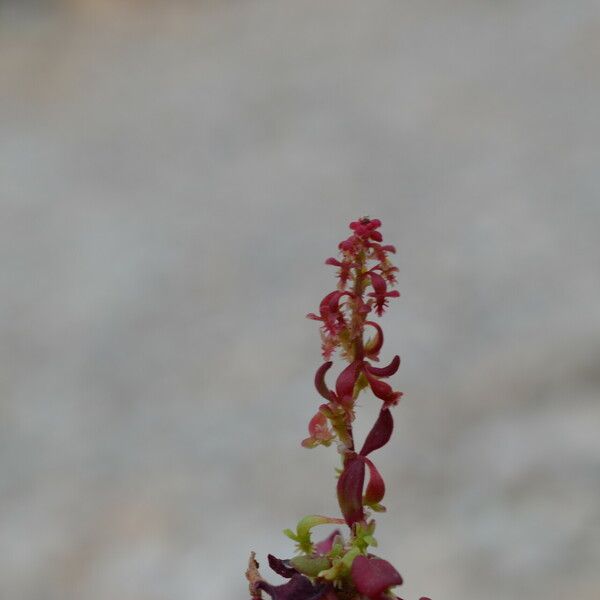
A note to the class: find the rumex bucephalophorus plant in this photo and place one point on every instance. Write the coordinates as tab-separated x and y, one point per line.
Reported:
341	567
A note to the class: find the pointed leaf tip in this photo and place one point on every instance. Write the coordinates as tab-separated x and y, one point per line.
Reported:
280	567
373	346
381	389
375	488
320	380
386	371
380	433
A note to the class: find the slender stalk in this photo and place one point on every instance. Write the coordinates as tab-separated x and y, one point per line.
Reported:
357	327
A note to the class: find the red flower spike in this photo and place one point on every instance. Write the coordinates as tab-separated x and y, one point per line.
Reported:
373	576
384	371
320	380
380	433
320	572
350	490
375	488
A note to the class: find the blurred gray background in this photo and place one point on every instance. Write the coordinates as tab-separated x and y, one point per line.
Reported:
172	177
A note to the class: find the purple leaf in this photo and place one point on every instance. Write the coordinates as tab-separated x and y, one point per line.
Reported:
349	490
320	380
376	487
381	389
380	433
344	385
297	588
386	371
280	567
373	576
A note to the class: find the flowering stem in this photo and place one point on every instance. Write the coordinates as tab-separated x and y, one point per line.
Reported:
340	567
357	354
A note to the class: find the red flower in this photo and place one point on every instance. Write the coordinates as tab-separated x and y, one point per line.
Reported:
380	292
319	431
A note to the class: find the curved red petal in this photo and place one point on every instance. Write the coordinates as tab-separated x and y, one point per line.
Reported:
387	371
350	489
373	576
344	385
380	433
378	282
380	388
372	350
330	302
333	261
376	487
320	380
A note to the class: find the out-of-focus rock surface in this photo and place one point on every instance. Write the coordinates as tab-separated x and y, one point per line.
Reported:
172	176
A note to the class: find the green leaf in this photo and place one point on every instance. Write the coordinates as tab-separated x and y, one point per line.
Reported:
302	535
310	565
